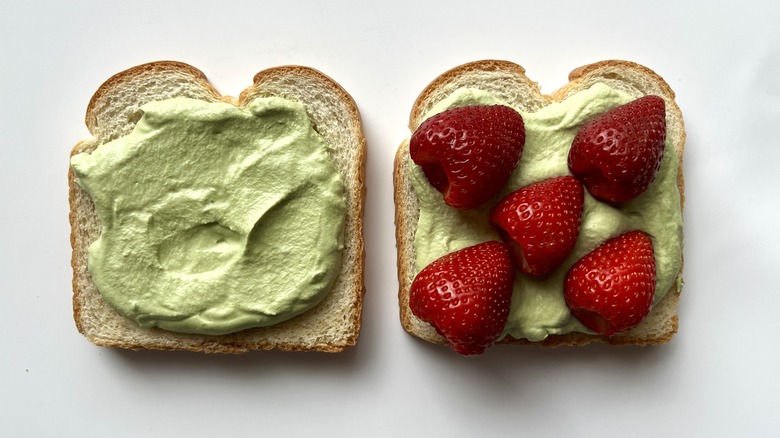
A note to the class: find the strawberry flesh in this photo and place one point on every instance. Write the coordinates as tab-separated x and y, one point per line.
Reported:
617	154
466	296
468	153
611	289
540	223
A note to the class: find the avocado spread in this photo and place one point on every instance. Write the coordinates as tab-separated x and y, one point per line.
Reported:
538	307
215	218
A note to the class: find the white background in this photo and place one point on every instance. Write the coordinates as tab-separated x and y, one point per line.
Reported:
718	376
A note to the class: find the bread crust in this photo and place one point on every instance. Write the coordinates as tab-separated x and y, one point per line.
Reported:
508	81
331	326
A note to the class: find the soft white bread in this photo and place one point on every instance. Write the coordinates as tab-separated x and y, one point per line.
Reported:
508	82
332	325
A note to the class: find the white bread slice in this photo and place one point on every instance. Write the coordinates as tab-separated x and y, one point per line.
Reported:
508	82
334	324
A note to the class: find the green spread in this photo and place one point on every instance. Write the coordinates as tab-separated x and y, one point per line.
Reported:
215	218
538	307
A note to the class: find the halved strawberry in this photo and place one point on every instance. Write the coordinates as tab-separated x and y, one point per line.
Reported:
540	223
466	295
611	289
617	155
468	153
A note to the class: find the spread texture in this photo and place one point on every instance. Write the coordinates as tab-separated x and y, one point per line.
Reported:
215	218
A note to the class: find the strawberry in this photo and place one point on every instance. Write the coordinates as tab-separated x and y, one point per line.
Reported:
611	289
540	223
465	295
617	155
468	153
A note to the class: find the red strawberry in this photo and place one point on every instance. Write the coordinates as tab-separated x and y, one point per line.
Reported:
468	153
465	295
617	155
611	289
540	223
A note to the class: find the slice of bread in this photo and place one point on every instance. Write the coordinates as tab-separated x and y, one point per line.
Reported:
332	325
508	82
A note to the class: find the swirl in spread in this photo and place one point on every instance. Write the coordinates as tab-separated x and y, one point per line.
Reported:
215	218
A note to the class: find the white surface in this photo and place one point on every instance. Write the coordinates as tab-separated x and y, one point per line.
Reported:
718	377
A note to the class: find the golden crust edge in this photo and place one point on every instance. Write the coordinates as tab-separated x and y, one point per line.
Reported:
359	197
484	65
